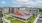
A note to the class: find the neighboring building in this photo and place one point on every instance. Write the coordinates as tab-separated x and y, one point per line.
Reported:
34	11
1	15
6	10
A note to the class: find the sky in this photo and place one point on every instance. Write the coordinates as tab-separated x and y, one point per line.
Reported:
19	3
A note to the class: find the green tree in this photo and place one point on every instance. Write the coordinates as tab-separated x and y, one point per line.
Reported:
40	10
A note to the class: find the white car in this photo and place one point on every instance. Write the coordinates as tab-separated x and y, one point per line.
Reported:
40	18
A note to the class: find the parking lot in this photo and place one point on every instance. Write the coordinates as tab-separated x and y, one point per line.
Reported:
38	21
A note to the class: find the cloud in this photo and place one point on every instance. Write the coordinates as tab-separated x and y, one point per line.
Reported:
17	6
3	2
28	3
22	0
39	1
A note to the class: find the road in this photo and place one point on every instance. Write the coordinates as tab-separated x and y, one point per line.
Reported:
38	21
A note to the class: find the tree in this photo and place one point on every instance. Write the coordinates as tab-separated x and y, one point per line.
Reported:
40	10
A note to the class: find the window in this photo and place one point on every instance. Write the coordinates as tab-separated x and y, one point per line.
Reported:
33	14
30	10
0	12
18	8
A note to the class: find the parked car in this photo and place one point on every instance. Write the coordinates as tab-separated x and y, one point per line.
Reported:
40	18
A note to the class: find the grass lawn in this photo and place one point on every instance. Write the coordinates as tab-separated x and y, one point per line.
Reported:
31	20
40	12
14	21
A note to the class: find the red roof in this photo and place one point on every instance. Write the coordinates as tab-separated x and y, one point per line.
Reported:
17	12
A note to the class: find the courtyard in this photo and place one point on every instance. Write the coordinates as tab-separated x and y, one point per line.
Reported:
13	20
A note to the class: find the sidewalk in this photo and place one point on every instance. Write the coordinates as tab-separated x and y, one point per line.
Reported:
37	18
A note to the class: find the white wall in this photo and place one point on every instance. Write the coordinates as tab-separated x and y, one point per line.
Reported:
34	12
6	10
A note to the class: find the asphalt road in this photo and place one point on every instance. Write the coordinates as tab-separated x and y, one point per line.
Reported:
38	21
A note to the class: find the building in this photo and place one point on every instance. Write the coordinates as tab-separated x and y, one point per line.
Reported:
25	12
1	15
